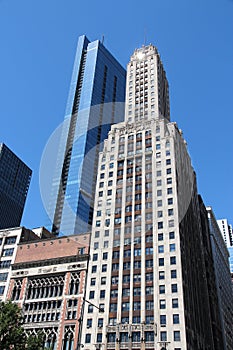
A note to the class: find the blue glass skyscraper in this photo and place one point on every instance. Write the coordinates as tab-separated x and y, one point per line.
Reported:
95	102
15	178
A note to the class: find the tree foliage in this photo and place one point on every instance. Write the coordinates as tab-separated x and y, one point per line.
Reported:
12	334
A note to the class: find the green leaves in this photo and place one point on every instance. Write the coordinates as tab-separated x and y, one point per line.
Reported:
12	334
11	330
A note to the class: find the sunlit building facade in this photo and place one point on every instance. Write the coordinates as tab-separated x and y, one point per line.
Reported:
146	252
47	282
9	240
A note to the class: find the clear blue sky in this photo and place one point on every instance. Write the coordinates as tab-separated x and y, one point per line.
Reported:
194	38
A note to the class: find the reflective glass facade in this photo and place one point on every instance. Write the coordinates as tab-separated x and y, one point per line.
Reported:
14	183
230	250
96	101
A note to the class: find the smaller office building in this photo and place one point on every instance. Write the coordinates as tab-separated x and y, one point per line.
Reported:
9	239
48	282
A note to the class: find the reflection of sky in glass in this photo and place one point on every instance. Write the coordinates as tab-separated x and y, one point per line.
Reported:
97	81
230	249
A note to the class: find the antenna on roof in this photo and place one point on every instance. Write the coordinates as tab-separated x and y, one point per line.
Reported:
145	36
102	41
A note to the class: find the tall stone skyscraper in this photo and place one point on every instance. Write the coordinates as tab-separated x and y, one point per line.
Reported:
147	267
95	102
15	178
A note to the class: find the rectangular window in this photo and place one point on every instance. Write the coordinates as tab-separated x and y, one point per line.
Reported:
169	190
149	290
149	263
105	256
116	254
162	289
170	201
103	280
174	288
162	304
160	237
170	212
171	223
124	307
114	280
136	305
175	303
92	294
8	252
95	257
161	261
99	337
149	305
160	225
94	268
171	235
89	322
163	320
102	293
104	268
3	276
160	249
10	240
161	275
149	251
160	214
172	260
88	338
176	319
5	264
163	336
93	281
176	335
172	247
173	274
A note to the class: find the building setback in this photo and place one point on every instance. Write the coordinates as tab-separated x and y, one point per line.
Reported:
146	250
15	178
95	102
47	282
223	279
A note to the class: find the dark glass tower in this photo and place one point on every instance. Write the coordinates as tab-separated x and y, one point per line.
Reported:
15	178
95	102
